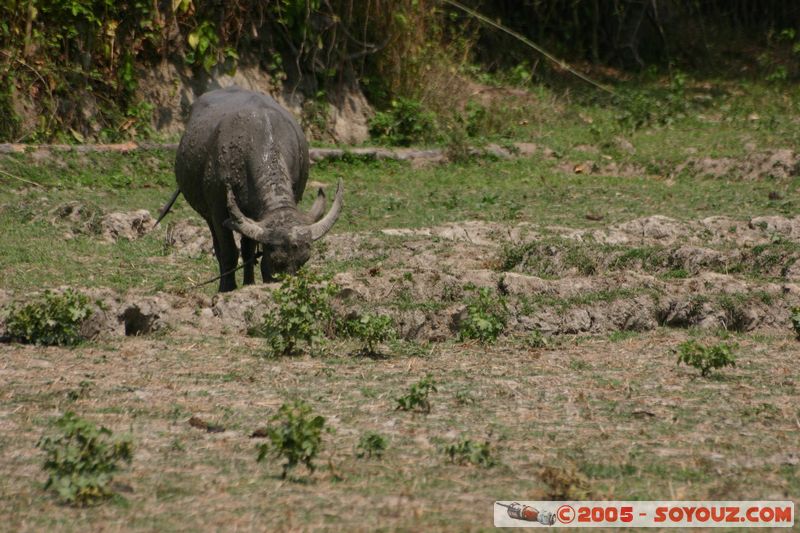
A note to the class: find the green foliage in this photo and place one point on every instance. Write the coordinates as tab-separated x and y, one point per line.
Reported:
464	130
9	120
82	460
464	397
474	116
706	358
370	444
54	319
417	396
467	451
295	435
642	108
205	49
301	313
316	114
486	317
371	330
535	339
795	318
548	257
403	124
761	412
81	392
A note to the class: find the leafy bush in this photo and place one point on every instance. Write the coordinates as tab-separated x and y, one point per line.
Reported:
536	340
295	435
405	123
795	318
486	317
54	319
706	358
470	452
417	396
370	444
371	330
643	108
82	460
205	49
301	314
564	482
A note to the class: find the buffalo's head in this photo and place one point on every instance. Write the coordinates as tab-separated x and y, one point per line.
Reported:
286	237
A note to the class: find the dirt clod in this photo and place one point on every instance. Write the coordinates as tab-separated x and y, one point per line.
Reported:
130	225
199	423
144	316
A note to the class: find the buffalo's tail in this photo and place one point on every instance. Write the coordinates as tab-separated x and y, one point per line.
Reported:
167	207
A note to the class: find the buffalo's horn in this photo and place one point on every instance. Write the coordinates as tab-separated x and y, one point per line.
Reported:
318	209
241	223
318	229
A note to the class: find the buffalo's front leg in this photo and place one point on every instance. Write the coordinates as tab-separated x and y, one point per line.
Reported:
227	256
249	260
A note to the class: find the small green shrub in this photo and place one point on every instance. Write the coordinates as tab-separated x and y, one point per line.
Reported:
295	435
464	397
82	460
470	452
763	412
564	482
405	123
579	365
371	330
54	319
81	392
512	255
548	258
795	318
301	314
417	396
370	444
535	339
486	317
706	358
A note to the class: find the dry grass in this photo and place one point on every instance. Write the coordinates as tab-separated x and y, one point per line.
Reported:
603	419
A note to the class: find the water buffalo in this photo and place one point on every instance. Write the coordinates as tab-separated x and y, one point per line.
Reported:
243	164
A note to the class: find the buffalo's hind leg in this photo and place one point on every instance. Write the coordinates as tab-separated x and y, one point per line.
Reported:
227	256
249	260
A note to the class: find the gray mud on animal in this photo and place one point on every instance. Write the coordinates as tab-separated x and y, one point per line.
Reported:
242	164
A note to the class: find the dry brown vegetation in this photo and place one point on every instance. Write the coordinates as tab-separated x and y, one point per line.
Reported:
596	407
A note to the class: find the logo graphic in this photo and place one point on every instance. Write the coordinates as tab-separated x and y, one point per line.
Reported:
527	513
566	514
657	513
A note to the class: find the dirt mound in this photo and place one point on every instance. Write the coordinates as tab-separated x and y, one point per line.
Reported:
128	225
608	168
656	227
186	239
635	276
78	218
85	219
773	164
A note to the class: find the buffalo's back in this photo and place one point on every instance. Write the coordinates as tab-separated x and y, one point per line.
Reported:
229	136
